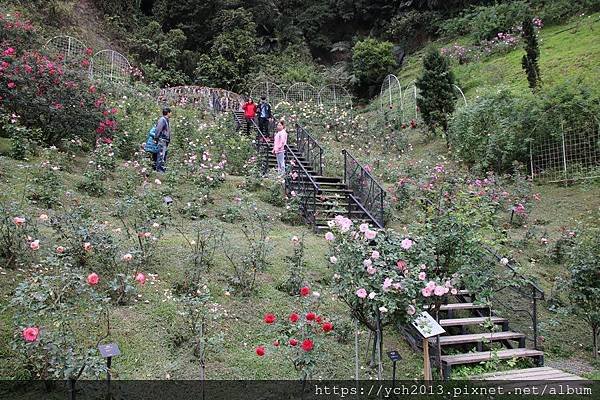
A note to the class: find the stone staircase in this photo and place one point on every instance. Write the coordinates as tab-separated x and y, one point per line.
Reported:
321	197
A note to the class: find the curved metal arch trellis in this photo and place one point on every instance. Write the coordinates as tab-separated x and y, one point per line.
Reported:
335	96
275	95
409	102
67	48
457	88
110	65
213	99
302	92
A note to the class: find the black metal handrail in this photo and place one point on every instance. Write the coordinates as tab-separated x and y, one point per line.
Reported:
363	209
309	148
532	294
364	187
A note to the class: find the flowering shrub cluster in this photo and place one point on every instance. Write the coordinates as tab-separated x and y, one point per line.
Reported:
297	334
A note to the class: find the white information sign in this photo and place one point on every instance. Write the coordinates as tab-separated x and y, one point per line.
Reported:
427	325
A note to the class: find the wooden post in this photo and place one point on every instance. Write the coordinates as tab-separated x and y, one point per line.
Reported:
426	364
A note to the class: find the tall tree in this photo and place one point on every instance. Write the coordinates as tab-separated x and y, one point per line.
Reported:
532	50
437	98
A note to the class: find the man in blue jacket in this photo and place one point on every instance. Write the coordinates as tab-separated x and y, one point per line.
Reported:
163	137
264	115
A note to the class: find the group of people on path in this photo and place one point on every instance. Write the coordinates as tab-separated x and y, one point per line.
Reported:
159	137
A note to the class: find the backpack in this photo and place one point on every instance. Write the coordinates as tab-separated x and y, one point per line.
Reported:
151	146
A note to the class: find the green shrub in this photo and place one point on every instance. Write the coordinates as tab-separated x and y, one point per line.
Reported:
372	60
558	11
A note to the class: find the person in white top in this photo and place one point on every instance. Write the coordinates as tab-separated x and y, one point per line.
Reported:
279	146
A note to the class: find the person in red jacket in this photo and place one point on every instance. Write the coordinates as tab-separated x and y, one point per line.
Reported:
250	113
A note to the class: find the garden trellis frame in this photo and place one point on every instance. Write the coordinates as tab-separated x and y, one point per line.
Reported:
275	95
568	155
302	92
456	87
409	101
391	94
335	96
111	66
211	99
67	47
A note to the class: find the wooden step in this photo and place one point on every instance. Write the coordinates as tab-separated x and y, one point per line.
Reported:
529	374
461	306
473	358
451	340
471	321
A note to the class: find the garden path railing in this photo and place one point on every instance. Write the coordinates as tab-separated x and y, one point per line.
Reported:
309	148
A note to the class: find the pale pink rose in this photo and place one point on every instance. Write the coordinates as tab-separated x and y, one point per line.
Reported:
406	244
329	236
87	246
93	279
155	225
411	310
422	276
60	249
387	283
431	285
371	270
147	235
295	240
141	278
35	245
43	217
362	293
397	286
363	227
375	255
333	259
19	221
157	181
544	241
504	261
426	292
401	265
367	262
454	291
383	309
331	224
127	257
372	295
370	235
30	334
439	291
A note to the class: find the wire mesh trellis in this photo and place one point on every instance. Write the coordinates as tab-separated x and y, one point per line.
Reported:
565	151
409	102
111	66
275	95
335	96
69	49
211	99
302	92
460	95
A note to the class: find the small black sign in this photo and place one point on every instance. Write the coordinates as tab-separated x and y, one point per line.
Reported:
394	356
109	350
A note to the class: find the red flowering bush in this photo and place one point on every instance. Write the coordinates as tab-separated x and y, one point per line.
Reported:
16	31
297	334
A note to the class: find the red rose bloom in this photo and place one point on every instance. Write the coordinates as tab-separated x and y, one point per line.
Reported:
311	316
305	291
294	318
327	327
269	318
260	351
276	343
319	319
307	345
293	342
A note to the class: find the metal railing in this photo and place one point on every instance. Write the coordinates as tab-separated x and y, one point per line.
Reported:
309	148
364	187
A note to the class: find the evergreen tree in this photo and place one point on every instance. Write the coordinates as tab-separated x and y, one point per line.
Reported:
532	50
437	98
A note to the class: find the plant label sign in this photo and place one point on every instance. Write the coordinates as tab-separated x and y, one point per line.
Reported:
109	350
427	325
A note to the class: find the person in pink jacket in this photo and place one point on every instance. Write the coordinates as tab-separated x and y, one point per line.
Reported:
279	146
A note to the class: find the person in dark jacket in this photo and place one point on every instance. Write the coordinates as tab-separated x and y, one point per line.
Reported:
250	113
163	137
264	115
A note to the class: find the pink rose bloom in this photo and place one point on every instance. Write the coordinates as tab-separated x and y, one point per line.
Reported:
19	221
30	334
141	278
35	245
431	285
411	310
329	236
439	291
43	217
362	293
397	285
406	244
371	270
87	246
60	249
375	255
370	234
363	227
147	235
372	295
127	257
454	291
387	283
401	265
422	276
426	292
93	279
367	263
